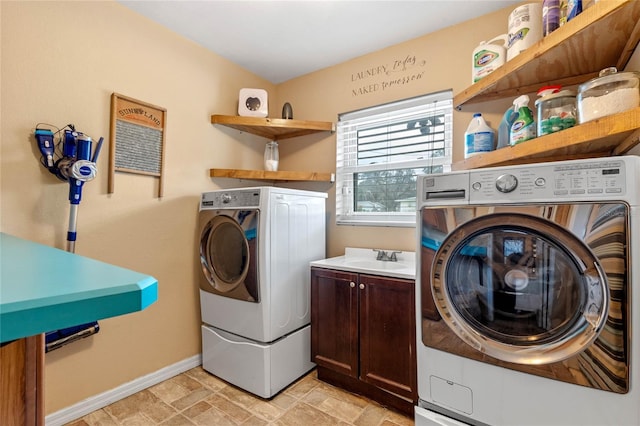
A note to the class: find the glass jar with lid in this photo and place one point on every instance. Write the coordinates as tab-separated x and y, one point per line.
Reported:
556	109
610	93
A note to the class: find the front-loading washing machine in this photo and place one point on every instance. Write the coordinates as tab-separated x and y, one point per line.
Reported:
255	246
527	298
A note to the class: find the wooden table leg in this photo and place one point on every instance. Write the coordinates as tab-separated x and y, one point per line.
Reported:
21	382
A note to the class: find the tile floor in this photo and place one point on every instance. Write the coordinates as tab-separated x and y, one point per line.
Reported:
198	398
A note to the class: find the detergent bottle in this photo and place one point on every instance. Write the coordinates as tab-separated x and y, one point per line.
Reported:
504	129
524	128
479	137
488	57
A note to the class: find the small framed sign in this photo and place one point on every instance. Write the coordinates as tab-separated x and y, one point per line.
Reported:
137	139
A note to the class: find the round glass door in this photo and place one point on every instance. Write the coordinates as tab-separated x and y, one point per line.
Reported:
224	253
520	288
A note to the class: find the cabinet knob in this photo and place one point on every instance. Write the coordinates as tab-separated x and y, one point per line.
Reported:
361	286
352	284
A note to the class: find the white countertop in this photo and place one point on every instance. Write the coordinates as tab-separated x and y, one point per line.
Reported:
364	261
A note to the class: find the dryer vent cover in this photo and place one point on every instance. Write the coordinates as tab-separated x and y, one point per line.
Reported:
253	103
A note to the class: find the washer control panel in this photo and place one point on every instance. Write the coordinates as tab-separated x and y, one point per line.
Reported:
230	199
588	179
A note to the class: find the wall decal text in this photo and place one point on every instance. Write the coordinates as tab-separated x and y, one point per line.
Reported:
401	71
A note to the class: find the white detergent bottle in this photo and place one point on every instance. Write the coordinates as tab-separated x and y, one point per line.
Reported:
479	137
524	128
488	57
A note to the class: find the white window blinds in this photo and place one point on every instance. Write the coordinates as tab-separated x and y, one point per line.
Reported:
380	152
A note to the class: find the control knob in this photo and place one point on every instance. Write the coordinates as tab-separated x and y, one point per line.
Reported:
506	183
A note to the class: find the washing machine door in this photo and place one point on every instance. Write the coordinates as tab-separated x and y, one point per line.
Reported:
520	288
229	253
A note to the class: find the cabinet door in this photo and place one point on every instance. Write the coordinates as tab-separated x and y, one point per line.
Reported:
387	334
334	320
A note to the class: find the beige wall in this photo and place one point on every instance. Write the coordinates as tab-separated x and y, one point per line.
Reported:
60	63
434	62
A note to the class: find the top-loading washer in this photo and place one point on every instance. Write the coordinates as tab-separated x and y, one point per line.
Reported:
526	294
255	246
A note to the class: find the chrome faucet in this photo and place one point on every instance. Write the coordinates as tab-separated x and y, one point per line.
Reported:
382	255
385	257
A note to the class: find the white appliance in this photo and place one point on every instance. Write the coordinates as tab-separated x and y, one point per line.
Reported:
255	248
527	298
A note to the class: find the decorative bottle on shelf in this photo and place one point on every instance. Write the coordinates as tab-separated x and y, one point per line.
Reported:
271	156
287	111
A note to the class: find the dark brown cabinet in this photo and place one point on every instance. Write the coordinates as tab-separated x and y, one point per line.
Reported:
363	335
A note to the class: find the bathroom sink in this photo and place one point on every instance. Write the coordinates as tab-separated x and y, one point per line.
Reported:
364	261
376	264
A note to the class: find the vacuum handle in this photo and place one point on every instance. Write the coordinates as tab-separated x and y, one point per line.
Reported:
97	151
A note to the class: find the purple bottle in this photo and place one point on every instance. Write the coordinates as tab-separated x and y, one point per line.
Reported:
550	16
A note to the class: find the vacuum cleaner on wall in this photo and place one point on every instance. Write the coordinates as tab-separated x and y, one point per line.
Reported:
66	153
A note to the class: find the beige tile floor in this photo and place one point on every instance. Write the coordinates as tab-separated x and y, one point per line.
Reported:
198	398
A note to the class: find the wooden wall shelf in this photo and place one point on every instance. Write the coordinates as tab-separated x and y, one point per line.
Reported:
273	128
604	137
604	35
267	175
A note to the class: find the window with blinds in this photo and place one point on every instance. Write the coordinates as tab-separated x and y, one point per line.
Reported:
380	152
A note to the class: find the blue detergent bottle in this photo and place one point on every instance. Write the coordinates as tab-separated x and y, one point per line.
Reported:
504	130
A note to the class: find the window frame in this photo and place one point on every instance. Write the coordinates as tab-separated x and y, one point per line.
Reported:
346	158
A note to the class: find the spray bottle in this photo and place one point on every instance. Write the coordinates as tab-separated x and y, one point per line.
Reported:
524	128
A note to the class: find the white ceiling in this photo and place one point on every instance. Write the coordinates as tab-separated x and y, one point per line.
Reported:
280	40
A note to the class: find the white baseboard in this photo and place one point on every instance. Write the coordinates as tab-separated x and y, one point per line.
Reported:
99	401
